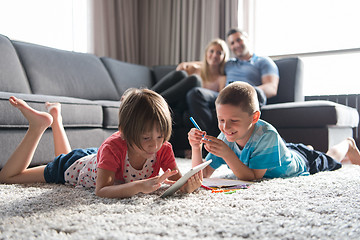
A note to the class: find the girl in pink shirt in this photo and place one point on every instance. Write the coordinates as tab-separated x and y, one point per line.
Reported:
128	162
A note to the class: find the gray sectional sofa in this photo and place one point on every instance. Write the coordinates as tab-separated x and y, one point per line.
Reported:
89	89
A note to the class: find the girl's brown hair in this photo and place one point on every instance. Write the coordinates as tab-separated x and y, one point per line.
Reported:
140	111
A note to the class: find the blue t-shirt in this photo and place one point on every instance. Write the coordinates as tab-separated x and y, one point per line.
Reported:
249	71
265	150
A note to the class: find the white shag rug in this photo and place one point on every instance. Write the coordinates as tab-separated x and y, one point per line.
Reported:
321	206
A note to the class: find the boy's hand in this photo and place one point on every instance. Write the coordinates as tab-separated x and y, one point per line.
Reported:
195	137
216	146
192	183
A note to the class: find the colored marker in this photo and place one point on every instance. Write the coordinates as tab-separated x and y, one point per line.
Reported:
206	187
195	124
230	192
226	191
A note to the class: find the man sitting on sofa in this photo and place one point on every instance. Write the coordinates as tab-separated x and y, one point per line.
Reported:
260	72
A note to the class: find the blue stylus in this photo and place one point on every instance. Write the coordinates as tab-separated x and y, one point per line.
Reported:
195	124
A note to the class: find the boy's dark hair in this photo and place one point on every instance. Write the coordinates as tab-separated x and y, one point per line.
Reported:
239	94
140	111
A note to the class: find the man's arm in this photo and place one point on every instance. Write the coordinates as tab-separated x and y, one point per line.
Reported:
269	85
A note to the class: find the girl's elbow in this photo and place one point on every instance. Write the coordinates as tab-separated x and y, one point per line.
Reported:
99	192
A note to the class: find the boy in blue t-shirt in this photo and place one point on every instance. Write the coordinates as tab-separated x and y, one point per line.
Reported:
253	149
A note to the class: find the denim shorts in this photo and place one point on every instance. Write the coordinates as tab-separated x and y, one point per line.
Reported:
55	170
316	161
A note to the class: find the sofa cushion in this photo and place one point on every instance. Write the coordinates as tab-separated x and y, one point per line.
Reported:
110	113
310	114
12	75
128	75
63	73
75	112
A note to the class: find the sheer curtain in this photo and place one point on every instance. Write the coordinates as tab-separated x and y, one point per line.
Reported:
155	32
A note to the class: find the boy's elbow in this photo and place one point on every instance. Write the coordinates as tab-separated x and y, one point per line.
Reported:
207	172
259	174
249	177
246	178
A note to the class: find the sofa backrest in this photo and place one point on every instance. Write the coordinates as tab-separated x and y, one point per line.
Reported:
12	75
31	68
63	73
127	75
160	71
290	84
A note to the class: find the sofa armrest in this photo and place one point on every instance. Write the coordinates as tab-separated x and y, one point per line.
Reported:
310	114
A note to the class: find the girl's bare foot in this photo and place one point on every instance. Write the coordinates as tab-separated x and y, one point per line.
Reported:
55	111
353	153
37	120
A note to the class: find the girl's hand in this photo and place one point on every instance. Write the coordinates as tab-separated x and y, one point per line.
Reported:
193	183
195	136
152	184
216	146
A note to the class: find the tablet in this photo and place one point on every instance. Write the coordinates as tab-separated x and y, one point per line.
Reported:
178	184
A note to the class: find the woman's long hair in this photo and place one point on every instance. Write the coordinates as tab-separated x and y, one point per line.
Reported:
205	71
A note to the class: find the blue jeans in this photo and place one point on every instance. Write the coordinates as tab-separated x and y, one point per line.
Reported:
316	161
55	170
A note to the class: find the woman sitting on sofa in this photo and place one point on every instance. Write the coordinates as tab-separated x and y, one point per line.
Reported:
208	74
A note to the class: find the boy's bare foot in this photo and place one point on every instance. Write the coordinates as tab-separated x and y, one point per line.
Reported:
37	120
55	111
353	153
